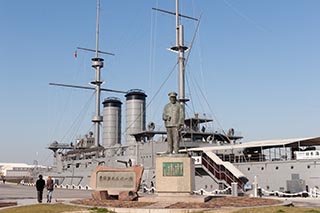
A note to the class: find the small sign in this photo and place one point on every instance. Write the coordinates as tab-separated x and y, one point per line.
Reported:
172	169
113	179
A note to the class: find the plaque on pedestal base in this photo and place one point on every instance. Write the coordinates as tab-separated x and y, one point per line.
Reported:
174	175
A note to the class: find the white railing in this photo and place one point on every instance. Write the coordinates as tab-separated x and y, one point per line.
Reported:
149	190
199	192
62	186
313	192
214	192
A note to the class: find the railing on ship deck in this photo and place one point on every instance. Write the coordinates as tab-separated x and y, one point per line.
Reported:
220	172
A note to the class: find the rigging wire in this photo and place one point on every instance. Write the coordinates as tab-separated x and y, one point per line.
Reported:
189	90
161	86
153	38
148	104
69	97
191	84
211	111
46	158
152	99
79	120
189	52
201	91
242	15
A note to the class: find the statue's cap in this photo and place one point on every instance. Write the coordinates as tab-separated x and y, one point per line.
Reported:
172	94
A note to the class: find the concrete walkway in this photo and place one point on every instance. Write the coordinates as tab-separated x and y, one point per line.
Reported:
27	195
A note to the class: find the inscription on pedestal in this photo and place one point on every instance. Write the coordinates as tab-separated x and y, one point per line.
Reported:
124	182
174	175
111	179
173	169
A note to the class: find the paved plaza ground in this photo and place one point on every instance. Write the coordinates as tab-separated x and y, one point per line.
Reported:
27	195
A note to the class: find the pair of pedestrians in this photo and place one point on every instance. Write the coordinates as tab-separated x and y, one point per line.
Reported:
40	184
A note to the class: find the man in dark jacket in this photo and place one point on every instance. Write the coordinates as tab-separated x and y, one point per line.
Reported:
40	186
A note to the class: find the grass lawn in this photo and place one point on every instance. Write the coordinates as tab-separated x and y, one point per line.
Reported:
45	208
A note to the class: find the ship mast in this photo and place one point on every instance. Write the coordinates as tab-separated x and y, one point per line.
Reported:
180	49
97	64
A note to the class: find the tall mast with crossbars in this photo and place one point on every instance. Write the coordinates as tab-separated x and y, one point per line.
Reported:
180	49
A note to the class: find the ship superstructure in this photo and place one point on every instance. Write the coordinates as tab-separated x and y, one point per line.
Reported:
282	166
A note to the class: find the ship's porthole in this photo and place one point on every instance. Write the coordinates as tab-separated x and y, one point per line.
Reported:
249	169
277	167
292	167
262	168
308	166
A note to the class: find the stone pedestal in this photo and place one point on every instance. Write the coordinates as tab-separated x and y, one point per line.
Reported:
121	182
174	175
174	180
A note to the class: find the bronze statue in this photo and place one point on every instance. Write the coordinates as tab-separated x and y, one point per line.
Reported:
174	118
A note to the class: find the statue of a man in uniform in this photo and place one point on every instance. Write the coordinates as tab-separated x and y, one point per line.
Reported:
173	117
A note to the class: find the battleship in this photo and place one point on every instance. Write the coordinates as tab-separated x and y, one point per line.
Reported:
287	166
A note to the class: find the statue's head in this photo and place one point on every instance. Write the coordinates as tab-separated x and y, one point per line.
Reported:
173	97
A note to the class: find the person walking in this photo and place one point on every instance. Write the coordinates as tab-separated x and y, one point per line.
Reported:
40	183
50	186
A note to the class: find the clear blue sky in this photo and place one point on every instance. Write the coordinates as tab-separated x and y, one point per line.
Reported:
257	63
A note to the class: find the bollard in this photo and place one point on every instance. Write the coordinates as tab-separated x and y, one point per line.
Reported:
234	189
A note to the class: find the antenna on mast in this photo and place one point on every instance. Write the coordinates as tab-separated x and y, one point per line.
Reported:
97	28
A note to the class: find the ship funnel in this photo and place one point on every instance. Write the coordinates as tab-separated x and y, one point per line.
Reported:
135	114
111	122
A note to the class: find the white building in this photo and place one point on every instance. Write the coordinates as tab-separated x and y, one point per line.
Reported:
16	170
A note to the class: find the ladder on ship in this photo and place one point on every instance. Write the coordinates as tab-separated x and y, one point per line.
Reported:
221	171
